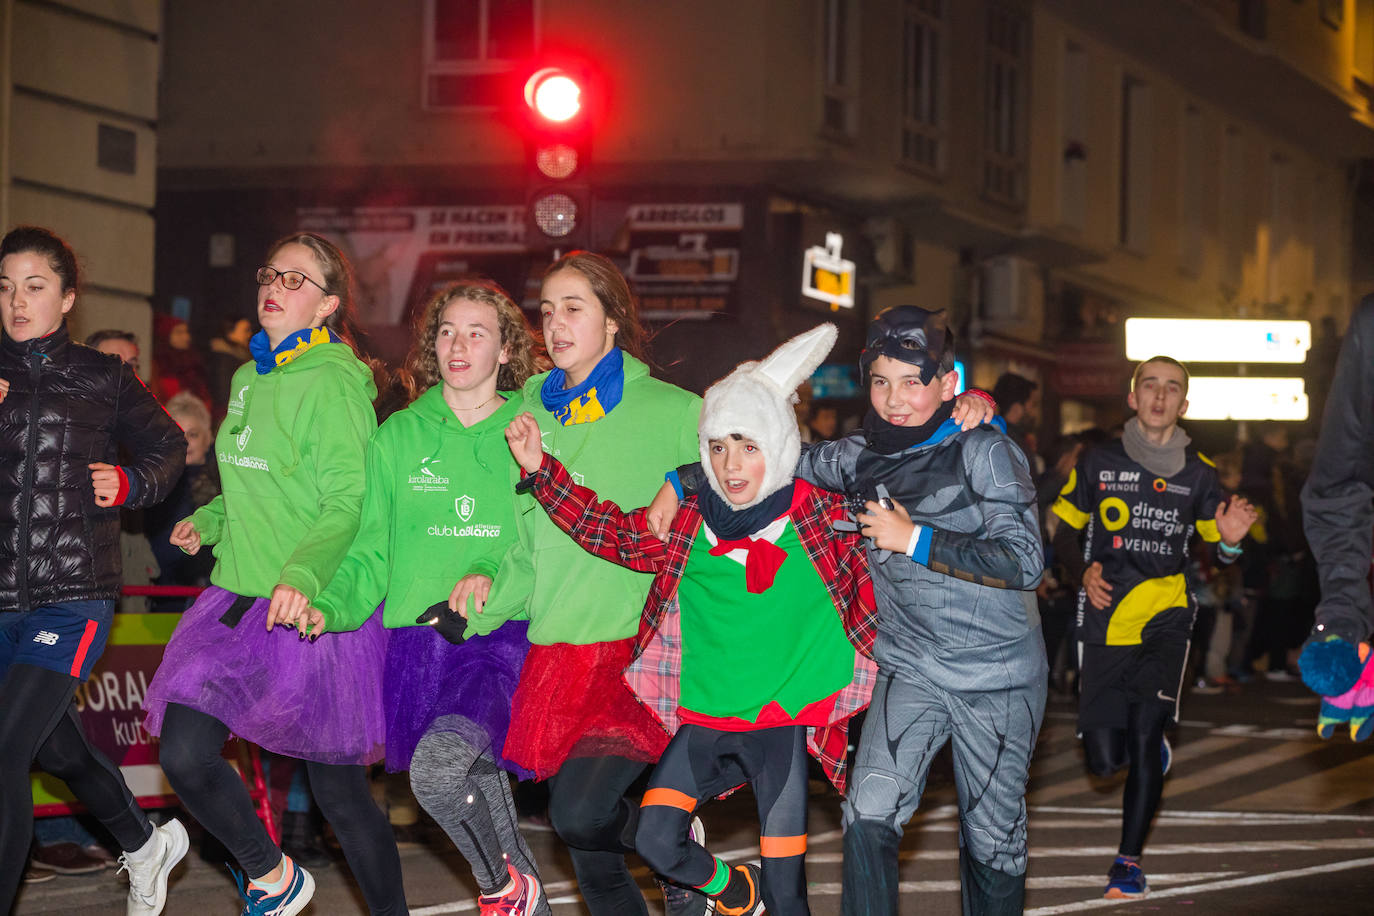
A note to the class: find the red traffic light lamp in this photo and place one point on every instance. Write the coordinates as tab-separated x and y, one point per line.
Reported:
558	142
554	95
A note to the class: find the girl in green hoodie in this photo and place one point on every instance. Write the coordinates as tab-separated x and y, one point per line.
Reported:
573	720
291	457
439	504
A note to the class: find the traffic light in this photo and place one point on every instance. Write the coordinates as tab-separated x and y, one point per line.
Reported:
559	107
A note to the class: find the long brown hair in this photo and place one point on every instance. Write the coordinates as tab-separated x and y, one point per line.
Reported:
613	292
522	346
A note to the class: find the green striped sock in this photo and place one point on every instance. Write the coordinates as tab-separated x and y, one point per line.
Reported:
718	880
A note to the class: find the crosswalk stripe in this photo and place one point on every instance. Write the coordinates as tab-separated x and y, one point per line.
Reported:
1250	818
1058	882
1186	782
1079	784
1040	853
1225	884
1327	790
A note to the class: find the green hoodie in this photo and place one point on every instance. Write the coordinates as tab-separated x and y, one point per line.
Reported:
291	454
569	595
439	504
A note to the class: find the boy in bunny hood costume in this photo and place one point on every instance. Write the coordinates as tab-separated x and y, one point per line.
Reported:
756	633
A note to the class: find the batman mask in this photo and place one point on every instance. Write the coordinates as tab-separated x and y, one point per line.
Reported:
908	334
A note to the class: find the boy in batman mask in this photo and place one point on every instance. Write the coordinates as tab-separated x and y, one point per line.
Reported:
955	555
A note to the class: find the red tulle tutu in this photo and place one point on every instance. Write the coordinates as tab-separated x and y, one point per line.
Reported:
571	702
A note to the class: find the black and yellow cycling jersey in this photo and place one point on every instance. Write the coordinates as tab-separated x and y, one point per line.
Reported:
1138	527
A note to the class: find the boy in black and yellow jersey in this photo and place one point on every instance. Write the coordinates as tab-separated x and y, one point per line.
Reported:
1140	500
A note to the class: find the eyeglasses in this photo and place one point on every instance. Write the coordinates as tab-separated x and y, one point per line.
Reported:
291	279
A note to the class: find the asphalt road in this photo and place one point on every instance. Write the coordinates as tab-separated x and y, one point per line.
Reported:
1259	816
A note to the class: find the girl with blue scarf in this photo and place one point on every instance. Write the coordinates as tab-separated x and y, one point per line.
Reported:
573	720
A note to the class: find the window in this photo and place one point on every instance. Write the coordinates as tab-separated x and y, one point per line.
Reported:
470	45
840	104
1004	143
923	84
1191	189
1073	176
1364	40
1133	207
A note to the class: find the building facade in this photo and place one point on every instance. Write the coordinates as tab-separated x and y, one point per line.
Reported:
78	143
1042	169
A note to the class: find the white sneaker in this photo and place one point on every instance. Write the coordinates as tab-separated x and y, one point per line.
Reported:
148	877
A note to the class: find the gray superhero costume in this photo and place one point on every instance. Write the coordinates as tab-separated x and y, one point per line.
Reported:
959	651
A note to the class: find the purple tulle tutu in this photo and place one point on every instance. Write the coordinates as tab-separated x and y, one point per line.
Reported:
319	701
427	678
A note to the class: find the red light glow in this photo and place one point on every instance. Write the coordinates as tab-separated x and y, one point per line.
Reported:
554	95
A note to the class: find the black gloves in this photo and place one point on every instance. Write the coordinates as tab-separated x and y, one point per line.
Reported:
449	624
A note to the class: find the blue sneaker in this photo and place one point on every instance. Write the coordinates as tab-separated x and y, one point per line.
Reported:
1125	880
1166	755
297	889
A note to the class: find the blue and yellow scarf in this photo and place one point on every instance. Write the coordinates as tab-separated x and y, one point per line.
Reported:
290	348
588	402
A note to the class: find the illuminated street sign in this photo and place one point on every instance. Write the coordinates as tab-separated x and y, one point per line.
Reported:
1213	398
827	276
1215	340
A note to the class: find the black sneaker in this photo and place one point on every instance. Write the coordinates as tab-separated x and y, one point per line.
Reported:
685	901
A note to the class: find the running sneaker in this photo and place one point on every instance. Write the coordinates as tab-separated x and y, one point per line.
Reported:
684	901
148	875
297	889
37	874
67	859
1166	755
754	906
1125	879
518	901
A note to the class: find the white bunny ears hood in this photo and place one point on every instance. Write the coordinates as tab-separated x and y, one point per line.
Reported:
755	401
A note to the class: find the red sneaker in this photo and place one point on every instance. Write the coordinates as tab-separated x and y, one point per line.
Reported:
518	901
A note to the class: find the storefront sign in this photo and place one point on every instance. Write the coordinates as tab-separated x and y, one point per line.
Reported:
684	258
401	255
827	276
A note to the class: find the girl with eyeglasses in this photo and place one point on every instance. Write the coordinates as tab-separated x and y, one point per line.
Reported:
291	455
439	507
65	412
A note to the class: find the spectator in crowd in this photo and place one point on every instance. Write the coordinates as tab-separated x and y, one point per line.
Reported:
1018	401
228	351
123	344
180	367
197	486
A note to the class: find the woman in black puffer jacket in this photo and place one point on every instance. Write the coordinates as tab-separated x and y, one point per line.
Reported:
65	412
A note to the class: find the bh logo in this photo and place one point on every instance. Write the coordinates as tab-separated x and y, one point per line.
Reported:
241	440
464	505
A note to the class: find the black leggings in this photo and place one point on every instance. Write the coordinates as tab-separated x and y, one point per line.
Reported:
701	763
38	723
213	793
1138	745
591	814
